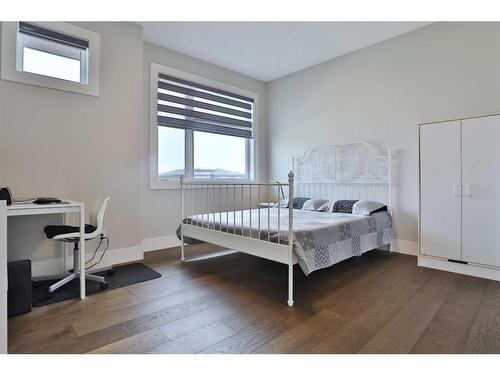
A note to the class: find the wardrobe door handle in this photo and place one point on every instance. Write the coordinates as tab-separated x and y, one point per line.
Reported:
469	190
457	190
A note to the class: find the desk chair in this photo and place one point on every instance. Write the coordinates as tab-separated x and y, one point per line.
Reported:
71	234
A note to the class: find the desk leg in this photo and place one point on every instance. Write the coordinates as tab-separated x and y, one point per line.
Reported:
82	252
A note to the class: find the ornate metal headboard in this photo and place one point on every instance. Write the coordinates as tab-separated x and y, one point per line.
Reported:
350	170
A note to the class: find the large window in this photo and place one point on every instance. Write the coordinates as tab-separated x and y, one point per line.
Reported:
51	54
201	129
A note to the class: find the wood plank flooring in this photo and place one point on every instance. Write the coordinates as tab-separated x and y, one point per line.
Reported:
226	302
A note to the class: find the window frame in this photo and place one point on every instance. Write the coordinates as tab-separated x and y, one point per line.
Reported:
10	59
173	183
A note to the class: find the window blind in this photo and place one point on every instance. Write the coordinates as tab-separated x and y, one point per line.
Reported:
41	32
189	105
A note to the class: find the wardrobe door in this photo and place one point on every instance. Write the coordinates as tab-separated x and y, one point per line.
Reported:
481	184
440	207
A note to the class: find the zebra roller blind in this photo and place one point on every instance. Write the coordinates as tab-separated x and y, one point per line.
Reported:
188	105
44	33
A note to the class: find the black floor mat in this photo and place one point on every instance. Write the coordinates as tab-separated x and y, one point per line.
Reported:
123	275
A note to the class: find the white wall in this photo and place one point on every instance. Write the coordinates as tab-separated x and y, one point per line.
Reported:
81	147
57	143
161	208
380	94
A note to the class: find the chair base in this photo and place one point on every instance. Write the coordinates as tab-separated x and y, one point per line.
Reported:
76	274
72	276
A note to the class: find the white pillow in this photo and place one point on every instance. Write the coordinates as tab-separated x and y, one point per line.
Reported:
282	203
367	207
313	204
326	207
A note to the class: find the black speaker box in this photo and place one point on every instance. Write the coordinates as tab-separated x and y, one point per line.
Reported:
19	294
5	195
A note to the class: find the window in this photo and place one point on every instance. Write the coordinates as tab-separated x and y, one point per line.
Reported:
171	155
201	129
51	65
229	162
51	54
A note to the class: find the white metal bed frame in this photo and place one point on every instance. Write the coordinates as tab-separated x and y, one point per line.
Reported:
354	166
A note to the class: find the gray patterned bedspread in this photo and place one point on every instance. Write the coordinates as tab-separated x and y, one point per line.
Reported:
321	238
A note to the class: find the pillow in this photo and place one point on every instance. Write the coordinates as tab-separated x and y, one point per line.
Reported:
298	202
282	203
367	207
343	206
326	207
313	204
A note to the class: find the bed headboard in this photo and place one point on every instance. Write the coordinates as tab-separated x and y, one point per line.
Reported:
350	170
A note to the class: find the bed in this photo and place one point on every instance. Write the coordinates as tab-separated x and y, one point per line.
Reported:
322	239
231	215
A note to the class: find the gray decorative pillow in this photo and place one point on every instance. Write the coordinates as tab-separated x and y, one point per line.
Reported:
298	202
343	206
367	207
313	204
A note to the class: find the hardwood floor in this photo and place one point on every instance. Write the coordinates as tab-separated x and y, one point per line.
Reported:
236	303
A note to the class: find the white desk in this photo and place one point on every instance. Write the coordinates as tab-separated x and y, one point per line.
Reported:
24	210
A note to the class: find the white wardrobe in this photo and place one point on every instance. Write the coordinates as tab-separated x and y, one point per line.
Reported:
459	222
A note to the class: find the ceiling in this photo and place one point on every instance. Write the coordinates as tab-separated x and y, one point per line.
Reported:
270	50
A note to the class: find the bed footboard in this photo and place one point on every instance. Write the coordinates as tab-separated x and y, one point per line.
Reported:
215	206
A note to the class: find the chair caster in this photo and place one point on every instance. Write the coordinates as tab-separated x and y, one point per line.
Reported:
104	286
111	272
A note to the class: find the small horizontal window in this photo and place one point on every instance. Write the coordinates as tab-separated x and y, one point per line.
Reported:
52	54
55	55
51	65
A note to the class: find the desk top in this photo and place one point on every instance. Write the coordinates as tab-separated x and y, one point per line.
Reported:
21	209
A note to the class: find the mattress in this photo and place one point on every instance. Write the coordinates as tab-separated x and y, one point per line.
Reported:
321	239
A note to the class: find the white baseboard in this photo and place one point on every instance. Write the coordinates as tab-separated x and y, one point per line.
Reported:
56	266
159	243
466	269
404	247
130	254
